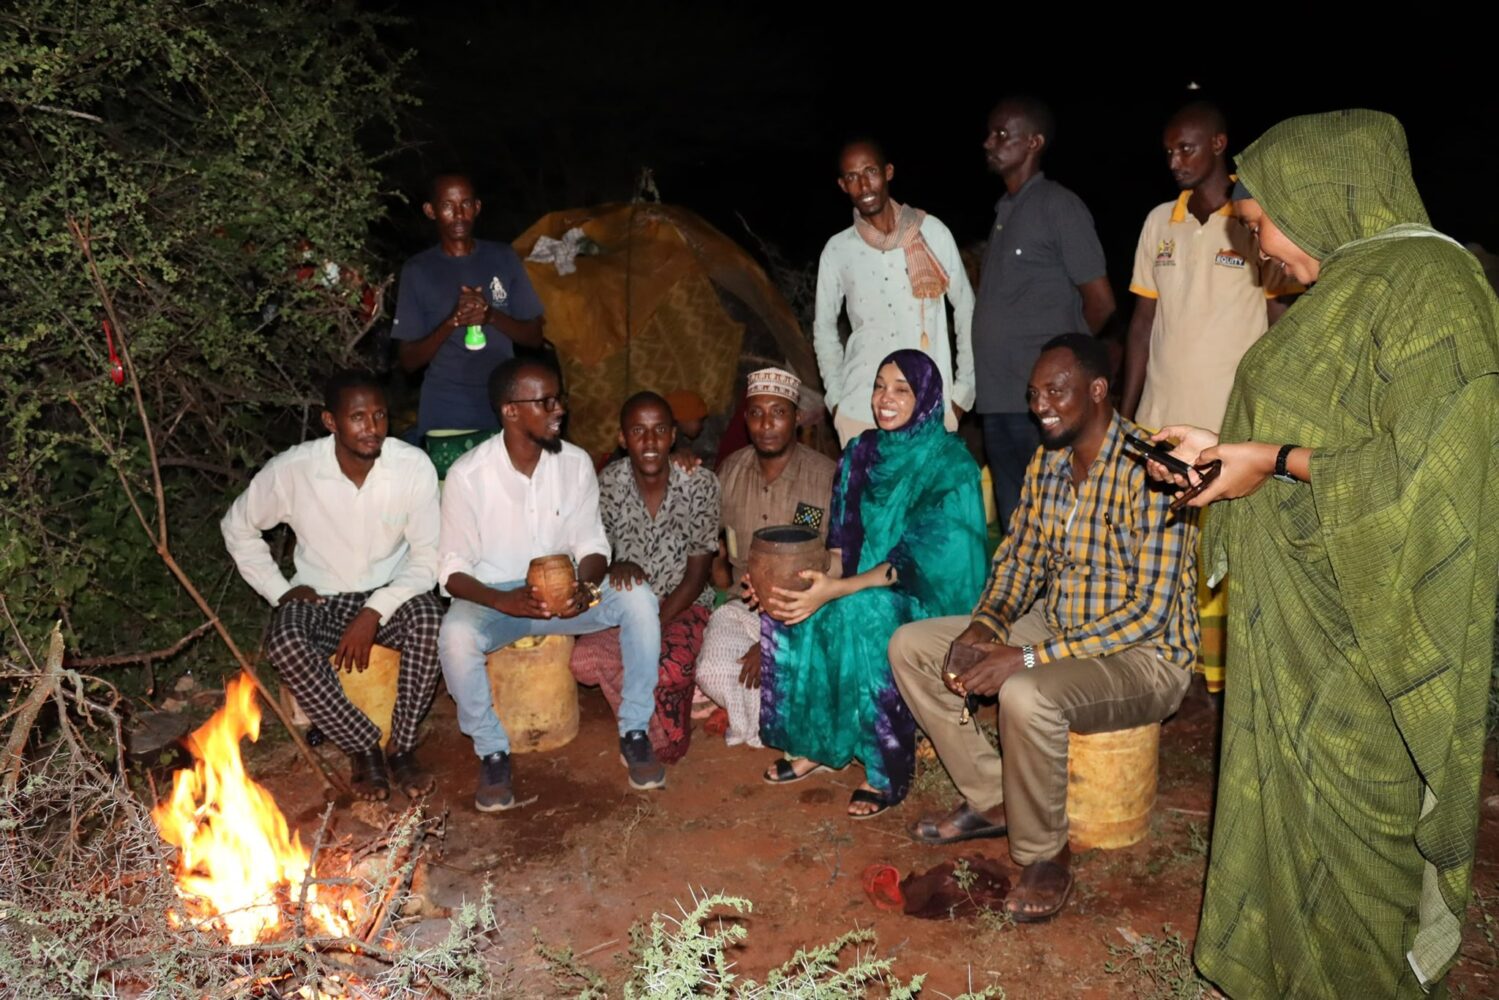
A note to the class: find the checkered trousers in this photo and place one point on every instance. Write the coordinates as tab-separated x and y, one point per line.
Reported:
302	636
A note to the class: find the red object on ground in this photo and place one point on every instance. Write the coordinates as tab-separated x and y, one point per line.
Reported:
116	369
882	886
717	722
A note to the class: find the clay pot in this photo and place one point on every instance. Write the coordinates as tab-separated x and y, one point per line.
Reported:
779	553
554	579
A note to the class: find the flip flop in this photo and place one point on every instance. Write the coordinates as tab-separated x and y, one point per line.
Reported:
970	823
1029	878
785	774
864	796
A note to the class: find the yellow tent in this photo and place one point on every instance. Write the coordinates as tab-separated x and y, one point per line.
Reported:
664	305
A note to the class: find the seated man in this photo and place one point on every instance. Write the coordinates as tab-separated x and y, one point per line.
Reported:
522	494
365	513
773	481
1088	623
663	527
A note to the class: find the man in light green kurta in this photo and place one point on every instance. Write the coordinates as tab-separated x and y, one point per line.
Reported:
1362	600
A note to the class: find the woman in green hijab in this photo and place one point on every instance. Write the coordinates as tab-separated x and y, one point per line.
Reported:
1361	532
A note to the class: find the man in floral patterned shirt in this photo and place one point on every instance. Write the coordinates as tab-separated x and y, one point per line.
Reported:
663	532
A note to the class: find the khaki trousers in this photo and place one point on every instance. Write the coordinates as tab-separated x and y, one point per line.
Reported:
1037	708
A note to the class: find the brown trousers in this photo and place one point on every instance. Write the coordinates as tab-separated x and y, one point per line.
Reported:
1037	708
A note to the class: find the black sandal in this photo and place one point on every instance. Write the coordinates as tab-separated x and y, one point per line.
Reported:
1032	878
782	773
367	776
968	821
867	796
412	778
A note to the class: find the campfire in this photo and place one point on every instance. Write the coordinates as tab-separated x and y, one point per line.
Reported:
240	869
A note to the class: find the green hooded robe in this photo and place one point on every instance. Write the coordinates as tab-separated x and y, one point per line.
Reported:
1362	603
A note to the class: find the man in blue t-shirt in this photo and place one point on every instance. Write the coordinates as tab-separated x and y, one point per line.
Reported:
459	283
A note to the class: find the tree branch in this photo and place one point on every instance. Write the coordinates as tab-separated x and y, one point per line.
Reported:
159	539
156	654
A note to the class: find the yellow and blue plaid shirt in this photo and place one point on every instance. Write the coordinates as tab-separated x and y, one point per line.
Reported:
1111	565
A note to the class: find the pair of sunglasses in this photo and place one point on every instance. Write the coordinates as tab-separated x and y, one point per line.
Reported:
1161	452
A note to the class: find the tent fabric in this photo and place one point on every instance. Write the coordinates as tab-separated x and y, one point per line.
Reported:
648	312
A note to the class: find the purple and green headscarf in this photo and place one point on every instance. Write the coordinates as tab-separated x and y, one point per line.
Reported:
881	468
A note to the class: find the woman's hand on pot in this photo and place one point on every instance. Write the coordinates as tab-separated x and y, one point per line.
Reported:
793	606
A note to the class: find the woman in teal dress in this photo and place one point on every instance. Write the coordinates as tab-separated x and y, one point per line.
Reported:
907	541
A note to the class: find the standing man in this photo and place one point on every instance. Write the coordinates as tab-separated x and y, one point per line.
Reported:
889	270
1088	624
462	282
522	494
1042	276
773	481
1202	295
364	510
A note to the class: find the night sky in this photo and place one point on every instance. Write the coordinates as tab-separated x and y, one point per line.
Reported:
740	112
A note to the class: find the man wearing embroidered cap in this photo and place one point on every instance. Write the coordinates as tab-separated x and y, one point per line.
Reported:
889	271
773	481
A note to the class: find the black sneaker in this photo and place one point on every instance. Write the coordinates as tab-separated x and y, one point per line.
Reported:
493	793
636	754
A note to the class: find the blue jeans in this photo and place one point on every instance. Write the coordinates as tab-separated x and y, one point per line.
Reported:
470	632
1010	441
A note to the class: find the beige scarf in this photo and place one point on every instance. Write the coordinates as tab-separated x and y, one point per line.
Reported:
928	278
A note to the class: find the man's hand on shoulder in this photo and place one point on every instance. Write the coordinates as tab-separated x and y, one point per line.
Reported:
353	651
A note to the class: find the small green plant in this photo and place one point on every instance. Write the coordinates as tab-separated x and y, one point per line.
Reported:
989	918
686	958
1157	969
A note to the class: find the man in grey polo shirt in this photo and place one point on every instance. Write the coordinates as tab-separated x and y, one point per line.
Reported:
1043	275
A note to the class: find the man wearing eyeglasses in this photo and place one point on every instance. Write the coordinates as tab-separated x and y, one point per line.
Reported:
523	494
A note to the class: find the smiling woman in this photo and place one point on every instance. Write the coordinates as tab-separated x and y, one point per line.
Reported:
907	540
1363	580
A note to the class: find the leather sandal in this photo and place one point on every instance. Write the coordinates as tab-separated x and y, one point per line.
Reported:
367	775
411	777
968	821
868	796
1048	883
783	773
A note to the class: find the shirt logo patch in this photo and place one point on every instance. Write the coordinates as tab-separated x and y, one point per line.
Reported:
1229	258
808	516
1165	253
497	293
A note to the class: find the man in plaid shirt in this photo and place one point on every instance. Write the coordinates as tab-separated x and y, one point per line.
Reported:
1088	623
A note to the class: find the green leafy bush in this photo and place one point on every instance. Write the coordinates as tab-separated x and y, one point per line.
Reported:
200	178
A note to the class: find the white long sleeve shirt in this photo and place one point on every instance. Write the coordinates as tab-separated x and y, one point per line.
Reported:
873	286
495	520
379	537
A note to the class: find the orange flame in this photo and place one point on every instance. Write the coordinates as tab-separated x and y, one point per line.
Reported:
238	861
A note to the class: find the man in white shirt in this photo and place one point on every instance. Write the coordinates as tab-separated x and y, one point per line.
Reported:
889	271
364	510
522	494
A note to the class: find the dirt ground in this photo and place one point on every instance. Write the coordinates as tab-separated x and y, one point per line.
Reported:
589	858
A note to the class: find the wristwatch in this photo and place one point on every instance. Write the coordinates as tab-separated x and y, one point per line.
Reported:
595	592
1280	463
1028	657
